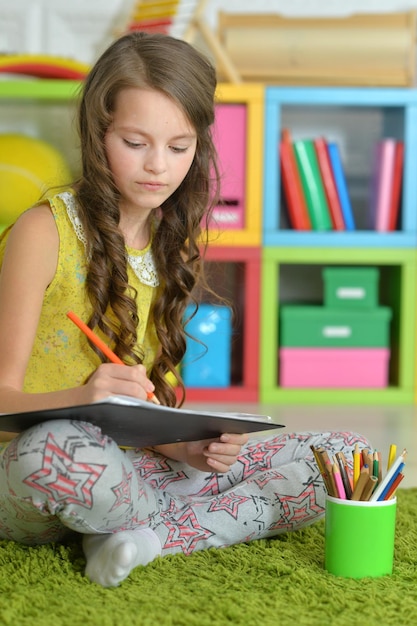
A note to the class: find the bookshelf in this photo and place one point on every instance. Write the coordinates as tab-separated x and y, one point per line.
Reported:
235	273
292	261
285	271
251	96
264	264
46	90
356	118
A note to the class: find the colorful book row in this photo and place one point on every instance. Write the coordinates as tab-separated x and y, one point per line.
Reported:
316	192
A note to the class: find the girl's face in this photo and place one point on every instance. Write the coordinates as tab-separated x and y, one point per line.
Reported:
150	146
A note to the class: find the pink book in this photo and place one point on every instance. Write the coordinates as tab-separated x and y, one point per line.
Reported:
384	175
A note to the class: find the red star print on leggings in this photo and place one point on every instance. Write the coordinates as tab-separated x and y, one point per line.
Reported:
62	479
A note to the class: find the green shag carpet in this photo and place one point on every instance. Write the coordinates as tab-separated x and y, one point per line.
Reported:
275	582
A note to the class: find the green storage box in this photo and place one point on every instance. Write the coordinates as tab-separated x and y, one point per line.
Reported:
317	326
346	287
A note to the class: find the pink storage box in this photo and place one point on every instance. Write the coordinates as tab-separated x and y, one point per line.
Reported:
334	367
229	136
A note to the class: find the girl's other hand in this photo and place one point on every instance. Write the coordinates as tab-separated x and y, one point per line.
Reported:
216	455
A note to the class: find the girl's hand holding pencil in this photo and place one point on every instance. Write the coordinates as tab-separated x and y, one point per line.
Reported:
366	482
103	347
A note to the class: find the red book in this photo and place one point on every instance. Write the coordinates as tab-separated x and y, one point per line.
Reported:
293	191
397	180
329	184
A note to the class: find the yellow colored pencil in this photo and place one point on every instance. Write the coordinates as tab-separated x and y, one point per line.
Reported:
392	454
356	465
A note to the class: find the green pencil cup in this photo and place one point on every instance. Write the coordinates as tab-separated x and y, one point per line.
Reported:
359	537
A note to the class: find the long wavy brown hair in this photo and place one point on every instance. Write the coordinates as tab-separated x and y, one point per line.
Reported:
179	71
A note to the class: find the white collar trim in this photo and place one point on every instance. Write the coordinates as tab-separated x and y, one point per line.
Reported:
143	265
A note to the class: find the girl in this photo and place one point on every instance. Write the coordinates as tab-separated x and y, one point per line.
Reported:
121	249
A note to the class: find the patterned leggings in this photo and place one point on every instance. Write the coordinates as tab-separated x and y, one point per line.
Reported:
65	476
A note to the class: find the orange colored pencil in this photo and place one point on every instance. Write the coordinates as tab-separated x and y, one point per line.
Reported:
103	347
394	486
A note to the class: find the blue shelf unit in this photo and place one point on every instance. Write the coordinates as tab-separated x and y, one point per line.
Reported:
341	114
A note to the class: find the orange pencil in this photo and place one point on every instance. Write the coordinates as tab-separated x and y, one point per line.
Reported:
394	486
104	348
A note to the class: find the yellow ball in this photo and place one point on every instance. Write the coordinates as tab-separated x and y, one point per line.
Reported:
28	167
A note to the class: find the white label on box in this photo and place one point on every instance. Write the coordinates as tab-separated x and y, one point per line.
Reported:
350	293
337	331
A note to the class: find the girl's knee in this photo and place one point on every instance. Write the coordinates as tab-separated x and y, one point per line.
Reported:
62	430
63	438
54	453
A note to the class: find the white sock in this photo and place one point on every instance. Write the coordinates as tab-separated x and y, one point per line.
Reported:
111	558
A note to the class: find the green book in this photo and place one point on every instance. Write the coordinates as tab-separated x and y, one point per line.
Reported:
312	184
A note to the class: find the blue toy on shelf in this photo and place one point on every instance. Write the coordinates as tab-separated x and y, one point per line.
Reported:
207	359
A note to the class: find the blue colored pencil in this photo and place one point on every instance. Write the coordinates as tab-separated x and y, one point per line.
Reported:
394	470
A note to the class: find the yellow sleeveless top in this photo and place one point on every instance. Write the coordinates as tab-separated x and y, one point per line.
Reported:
61	357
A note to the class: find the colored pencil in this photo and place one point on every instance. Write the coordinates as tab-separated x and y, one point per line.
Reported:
368	489
392	454
375	465
395	469
366	483
338	482
388	484
391	491
321	467
356	464
329	472
344	473
360	485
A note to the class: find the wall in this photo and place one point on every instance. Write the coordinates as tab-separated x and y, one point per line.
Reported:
75	29
306	7
81	29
